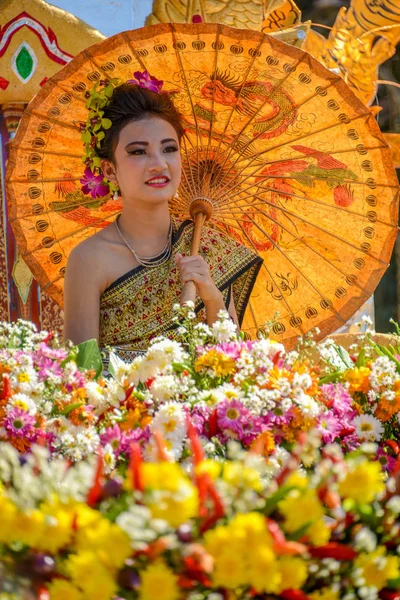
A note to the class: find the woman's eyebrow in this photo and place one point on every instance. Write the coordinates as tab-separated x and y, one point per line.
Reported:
147	143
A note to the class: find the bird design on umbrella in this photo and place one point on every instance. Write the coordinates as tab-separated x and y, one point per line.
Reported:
73	204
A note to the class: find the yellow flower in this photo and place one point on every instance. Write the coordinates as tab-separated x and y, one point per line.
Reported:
263	573
230	570
242	553
158	581
29	527
362	482
218	362
60	589
325	593
293	571
8	512
212	467
58	530
358	379
300	508
318	533
110	544
377	568
238	475
176	500
90	576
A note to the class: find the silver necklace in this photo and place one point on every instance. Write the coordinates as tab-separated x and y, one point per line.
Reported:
150	261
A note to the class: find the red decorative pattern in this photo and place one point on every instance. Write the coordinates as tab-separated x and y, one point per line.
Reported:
4	308
46	36
4	83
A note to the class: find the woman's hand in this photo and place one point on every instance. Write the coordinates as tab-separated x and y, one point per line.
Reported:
195	268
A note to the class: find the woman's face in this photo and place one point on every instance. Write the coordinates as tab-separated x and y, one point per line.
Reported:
147	161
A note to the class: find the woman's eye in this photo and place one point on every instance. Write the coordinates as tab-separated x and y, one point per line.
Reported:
138	151
171	149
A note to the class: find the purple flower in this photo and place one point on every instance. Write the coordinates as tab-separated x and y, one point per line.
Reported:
93	184
387	462
147	81
20	423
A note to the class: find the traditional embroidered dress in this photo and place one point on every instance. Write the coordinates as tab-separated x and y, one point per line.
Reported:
138	306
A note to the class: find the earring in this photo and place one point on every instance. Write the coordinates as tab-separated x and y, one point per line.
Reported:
116	195
176	195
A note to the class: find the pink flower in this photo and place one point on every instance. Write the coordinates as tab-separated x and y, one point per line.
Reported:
93	184
115	437
147	81
329	427
387	462
20	423
232	416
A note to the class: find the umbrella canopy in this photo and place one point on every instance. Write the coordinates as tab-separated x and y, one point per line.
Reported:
291	161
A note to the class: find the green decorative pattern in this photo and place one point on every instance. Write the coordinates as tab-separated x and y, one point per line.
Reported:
24	63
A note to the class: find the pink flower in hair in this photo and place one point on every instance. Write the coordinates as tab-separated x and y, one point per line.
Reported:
147	81
93	184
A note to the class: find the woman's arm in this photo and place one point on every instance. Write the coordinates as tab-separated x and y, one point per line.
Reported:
82	296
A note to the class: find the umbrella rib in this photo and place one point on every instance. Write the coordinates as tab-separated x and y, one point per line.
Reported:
45	180
312	249
324	129
69	91
250	66
265	188
36	113
310	155
133	50
212	105
177	54
72	234
45	287
50	152
190	169
275	88
52	210
264	266
311	284
252	314
302	220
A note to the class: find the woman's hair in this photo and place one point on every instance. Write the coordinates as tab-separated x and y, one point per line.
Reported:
130	102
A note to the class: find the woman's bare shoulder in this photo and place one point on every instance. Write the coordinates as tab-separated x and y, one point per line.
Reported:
90	248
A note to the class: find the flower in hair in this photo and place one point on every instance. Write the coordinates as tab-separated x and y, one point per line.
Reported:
94	184
147	81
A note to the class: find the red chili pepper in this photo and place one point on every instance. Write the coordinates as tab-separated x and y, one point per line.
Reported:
7	389
95	491
334	550
135	467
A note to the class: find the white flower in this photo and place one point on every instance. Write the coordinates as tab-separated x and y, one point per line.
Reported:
164	387
368	428
170	420
365	540
224	330
109	458
307	405
23	402
393	504
95	394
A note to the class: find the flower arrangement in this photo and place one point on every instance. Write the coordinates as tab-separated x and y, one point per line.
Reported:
215	531
252	392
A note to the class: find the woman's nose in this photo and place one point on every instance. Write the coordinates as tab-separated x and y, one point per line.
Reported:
158	163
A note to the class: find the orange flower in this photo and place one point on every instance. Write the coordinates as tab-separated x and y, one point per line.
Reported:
264	444
387	408
20	444
79	416
358	379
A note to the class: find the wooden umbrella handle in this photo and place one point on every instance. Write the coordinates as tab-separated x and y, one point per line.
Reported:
189	289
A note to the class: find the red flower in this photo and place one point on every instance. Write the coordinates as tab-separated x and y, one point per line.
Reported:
334	550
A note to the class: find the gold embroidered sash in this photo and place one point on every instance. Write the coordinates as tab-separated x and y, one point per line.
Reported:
138	306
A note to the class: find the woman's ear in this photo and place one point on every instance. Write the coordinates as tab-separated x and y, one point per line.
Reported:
108	170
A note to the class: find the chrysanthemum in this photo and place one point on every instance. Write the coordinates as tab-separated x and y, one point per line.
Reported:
19	423
232	415
368	428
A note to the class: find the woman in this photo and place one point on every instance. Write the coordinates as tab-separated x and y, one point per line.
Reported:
121	283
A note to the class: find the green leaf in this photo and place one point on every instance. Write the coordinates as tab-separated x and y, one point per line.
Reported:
272	502
106	123
86	137
345	357
68	409
331	378
100	136
360	362
114	364
89	357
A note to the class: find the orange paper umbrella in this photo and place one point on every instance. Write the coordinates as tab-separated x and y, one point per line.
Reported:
288	160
